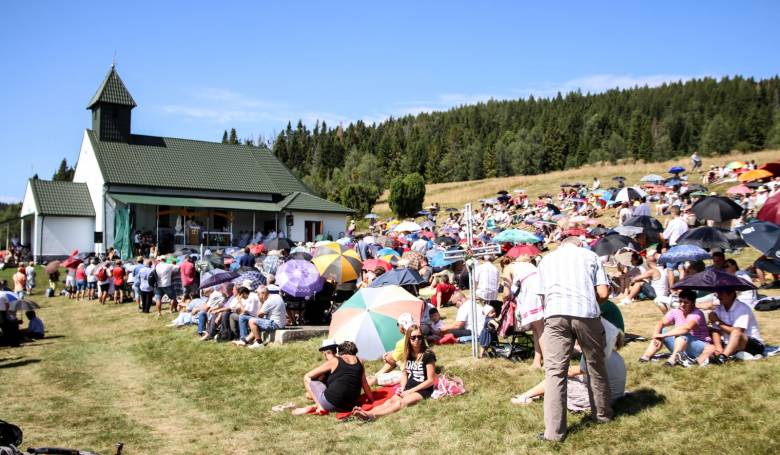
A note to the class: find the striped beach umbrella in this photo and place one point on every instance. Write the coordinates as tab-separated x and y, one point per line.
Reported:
338	263
369	319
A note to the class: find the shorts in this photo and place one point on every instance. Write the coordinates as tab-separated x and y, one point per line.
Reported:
81	285
165	290
754	347
318	390
426	392
693	347
91	285
104	287
191	289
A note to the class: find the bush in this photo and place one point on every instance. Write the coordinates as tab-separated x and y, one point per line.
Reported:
407	194
360	197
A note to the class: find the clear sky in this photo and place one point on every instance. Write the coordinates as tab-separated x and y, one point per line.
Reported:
196	68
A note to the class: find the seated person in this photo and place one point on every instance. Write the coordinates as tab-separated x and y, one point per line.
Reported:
767	266
734	327
272	315
34	328
464	323
9	324
391	359
628	274
688	337
346	376
577	391
417	379
443	292
650	284
750	297
328	351
433	330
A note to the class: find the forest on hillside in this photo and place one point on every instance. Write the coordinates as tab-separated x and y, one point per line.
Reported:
536	135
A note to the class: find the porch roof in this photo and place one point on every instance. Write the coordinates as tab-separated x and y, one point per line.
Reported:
195	202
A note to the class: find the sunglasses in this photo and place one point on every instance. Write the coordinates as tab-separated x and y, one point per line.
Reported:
416	337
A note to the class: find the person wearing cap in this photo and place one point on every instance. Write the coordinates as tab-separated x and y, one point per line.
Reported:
272	315
391	359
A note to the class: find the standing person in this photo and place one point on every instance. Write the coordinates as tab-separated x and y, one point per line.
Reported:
91	280
70	282
143	285
187	271
30	272
572	284
81	282
164	284
103	281
20	281
695	162
676	227
118	274
133	277
486	283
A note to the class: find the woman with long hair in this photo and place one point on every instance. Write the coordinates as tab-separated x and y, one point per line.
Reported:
417	380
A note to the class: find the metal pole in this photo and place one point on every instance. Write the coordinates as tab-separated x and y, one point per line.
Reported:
472	292
156	228
254	229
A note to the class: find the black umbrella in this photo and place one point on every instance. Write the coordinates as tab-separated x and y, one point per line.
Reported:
301	255
400	277
714	280
598	230
185	252
716	208
25	305
763	236
277	244
564	185
618	177
502	192
696	187
610	244
648	223
709	238
554	209
450	209
754	185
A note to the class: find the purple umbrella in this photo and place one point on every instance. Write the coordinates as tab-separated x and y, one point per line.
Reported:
217	276
299	278
714	280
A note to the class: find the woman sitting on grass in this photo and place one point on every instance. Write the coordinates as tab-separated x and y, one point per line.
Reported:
345	379
417	380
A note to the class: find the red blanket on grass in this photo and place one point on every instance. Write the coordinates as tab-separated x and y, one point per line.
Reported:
380	395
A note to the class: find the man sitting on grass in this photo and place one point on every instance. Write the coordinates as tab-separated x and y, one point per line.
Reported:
734	328
34	328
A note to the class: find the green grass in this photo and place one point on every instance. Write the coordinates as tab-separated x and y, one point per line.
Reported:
110	374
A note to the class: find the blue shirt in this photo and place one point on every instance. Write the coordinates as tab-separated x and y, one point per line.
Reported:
35	325
143	275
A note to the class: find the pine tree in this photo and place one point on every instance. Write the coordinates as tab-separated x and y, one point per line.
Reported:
225	137
718	137
233	137
64	172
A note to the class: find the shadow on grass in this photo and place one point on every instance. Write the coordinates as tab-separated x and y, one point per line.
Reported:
19	363
631	404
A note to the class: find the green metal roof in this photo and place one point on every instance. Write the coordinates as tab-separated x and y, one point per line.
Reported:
61	198
195	202
187	164
112	90
310	203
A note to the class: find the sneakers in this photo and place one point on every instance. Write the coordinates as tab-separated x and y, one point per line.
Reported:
746	356
240	342
684	360
256	345
522	400
705	363
626	302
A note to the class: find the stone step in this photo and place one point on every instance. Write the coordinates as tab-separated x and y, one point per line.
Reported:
298	333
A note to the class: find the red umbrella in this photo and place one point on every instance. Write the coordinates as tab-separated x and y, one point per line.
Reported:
373	264
771	210
576	232
523	249
257	249
774	168
71	263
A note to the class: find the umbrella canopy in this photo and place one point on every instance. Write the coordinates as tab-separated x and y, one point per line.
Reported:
254	276
415	259
387	251
257	250
652	178
400	277
676	169
598	230
438	260
771	210
774	168
714	280
445	240
610	244
9	296
327	248
716	208
672	182
755	174
215	277
647	223
369	319
450	209
71	263
553	208
515	236
629	231
52	267
763	236
631	193
299	278
344	241
739	189
709	238
374	264
423	213
277	244
407	226
736	165
618	177
302	255
427	224
341	265
523	250
26	305
576	232
683	253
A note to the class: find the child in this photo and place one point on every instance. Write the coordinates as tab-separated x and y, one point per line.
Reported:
489	334
433	330
53	279
34	328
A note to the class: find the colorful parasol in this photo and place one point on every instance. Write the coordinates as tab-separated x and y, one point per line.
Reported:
374	264
299	278
520	250
756	174
337	263
369	319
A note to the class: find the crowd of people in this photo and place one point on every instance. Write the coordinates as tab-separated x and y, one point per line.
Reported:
556	280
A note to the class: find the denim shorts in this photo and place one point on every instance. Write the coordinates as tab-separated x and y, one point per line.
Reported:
91	284
693	347
167	290
81	285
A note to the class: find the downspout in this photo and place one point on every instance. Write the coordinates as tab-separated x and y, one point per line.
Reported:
40	243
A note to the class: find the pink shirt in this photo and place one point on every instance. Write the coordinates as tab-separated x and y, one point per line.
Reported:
187	270
699	331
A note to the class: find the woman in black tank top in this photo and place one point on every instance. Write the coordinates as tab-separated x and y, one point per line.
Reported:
347	377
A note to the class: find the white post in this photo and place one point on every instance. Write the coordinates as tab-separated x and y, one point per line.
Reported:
472	292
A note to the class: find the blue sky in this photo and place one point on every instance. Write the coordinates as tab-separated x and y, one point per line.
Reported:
197	68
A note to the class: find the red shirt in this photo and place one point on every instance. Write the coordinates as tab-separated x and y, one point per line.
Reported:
446	290
81	275
119	276
187	270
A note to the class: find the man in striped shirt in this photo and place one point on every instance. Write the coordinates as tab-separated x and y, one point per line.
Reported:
573	284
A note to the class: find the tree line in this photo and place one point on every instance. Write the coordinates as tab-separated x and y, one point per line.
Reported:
529	136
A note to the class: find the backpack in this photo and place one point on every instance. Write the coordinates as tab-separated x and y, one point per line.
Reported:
152	278
101	274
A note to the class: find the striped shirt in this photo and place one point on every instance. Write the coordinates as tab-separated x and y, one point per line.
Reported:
567	278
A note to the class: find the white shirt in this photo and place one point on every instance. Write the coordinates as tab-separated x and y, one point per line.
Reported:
275	309
420	245
567	280
623	215
740	315
164	271
616	374
90	271
674	229
464	315
486	281
251	304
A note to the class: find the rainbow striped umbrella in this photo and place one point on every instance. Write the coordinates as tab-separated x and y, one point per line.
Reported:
369	319
338	263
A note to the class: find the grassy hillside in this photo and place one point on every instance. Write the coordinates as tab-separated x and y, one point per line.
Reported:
458	193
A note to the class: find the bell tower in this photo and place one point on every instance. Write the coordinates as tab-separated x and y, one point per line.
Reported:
111	108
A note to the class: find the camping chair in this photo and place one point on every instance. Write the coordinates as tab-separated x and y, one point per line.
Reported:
517	345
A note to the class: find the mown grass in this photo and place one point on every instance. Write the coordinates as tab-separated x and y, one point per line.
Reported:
110	374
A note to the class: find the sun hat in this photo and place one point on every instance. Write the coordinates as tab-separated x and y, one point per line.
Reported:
405	320
328	345
761	189
247	284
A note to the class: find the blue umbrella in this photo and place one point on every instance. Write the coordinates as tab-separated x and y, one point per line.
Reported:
438	261
763	236
400	277
217	276
516	236
683	253
672	182
386	251
676	169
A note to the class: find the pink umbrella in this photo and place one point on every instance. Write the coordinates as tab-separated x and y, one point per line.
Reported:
739	189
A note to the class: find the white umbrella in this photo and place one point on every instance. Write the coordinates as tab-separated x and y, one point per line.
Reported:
630	193
407	226
629	231
652	178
